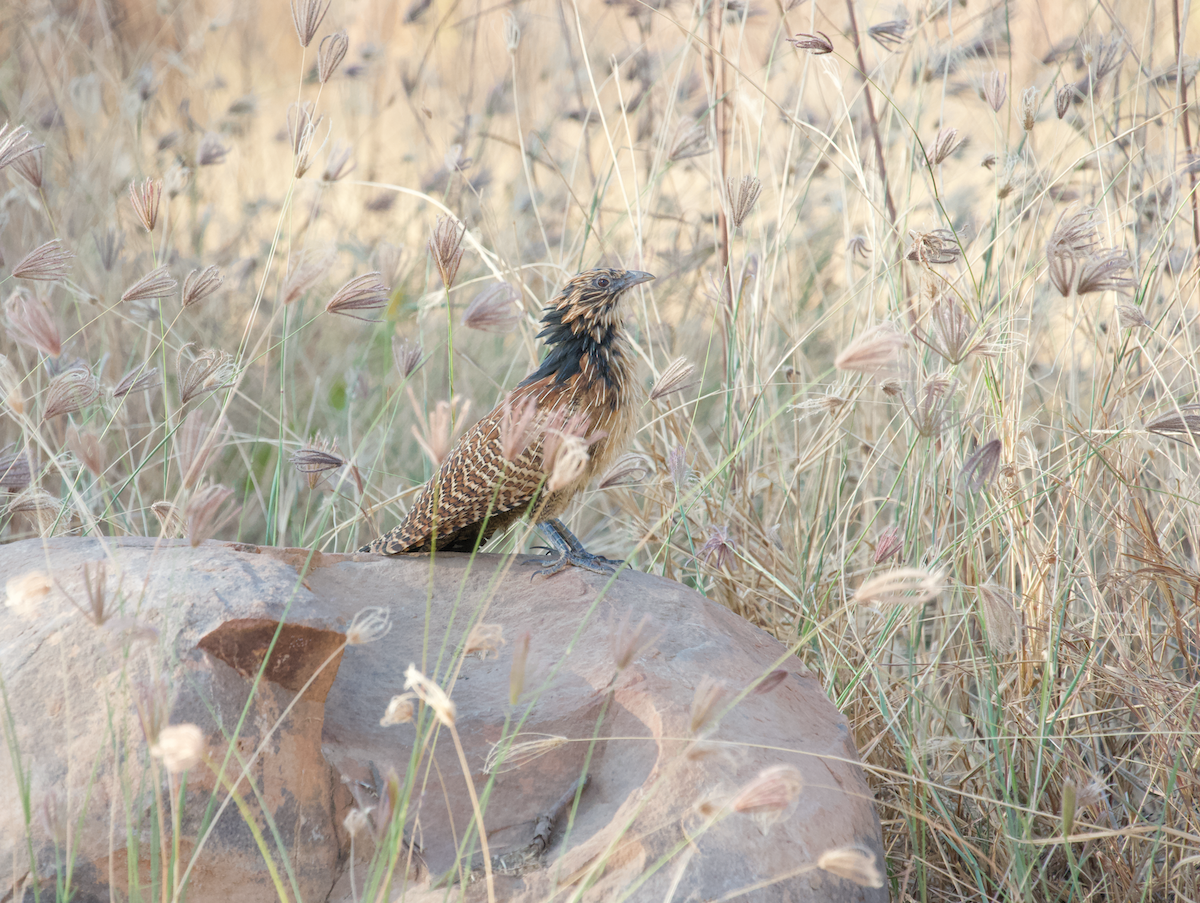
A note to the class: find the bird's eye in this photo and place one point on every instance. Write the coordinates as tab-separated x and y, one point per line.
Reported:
602	282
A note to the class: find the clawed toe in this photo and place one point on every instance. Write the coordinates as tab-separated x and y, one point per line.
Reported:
585	560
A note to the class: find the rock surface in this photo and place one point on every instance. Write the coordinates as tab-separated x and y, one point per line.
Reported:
655	820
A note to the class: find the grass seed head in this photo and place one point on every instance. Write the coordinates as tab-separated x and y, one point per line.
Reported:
30	167
995	89
170	518
692	141
770	796
39	508
629	470
927	405
484	639
85	445
1130	316
302	125
314	460
441	428
817	43
145	199
139	379
858	246
979	469
307	16
939	246
330	53
430	694
743	196
15	143
45	263
890	544
719	549
909	586
854	863
1102	272
158	283
570	461
31	324
339	163
400	710
211	371
1063	98
406	355
362	293
206	512
1000	617
945	144
368	626
889	35
445	244
1031	102
1182	425
15	472
874	352
180	747
629	642
108	245
512	32
211	151
679	376
70	391
708	695
494	310
199	284
306	267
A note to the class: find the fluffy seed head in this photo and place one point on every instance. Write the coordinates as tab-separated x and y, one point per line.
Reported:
30	167
430	694
484	639
911	586
45	263
314	460
889	34
445	244
692	141
406	355
211	371
629	470
330	53
1182	425
441	428
979	469
1062	100
719	550
139	379
512	32
85	445
995	89
494	309
200	284
743	196
170	519
816	43
302	124
854	863
307	16
400	710
678	376
145	199
30	323
15	472
338	164
769	796
158	283
569	463
10	386
180	747
70	391
629	642
369	625
211	151
305	268
875	351
945	144
14	144
362	293
709	693
1130	316
890	544
205	513
938	246
926	405
1031	101
1000	617
1103	272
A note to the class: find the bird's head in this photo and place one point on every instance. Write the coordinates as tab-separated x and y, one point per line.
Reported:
590	300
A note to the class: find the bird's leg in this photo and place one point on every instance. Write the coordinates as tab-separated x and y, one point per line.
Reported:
571	551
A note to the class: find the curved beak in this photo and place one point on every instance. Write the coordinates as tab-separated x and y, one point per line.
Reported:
635	277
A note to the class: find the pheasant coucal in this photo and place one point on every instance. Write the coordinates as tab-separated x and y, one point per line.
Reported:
580	395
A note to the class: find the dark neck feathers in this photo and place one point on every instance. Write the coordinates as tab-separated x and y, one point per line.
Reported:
569	344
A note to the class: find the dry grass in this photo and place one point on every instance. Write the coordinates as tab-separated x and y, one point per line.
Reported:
1020	435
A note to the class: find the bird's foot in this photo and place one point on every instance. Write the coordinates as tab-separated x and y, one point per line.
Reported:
597	564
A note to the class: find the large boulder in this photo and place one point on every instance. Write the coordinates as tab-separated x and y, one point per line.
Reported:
683	799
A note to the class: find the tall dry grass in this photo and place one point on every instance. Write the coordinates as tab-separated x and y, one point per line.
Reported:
938	286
